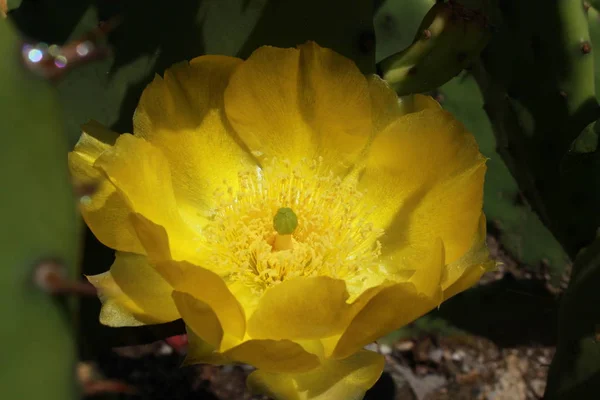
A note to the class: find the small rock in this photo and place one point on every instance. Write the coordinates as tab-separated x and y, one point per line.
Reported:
371	347
543	360
385	349
404	347
469	378
247	368
510	384
165	350
529	352
421	370
227	369
538	386
458	356
436	355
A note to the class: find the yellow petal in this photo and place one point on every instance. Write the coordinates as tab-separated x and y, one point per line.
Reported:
301	308
140	282
424	179
274	386
469	278
201	352
428	275
210	289
162	246
202	297
269	355
133	293
301	103
183	115
200	317
384	103
273	355
94	140
116	313
117	308
142	177
466	271
154	239
382	309
422	102
316	307
346	379
104	211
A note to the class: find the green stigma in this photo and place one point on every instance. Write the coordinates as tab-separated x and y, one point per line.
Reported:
285	221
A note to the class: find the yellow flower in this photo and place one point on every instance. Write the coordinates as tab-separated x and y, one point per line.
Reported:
288	211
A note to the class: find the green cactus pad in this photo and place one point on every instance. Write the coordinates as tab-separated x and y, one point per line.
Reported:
39	222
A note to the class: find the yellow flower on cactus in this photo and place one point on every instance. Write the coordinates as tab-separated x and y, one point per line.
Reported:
288	210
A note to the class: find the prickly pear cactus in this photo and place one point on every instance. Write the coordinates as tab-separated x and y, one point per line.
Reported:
396	24
8	5
447	40
38	229
537	79
520	230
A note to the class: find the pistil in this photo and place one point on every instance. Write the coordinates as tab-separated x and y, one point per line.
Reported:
285	223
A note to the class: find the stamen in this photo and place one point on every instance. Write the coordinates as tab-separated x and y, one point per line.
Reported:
260	243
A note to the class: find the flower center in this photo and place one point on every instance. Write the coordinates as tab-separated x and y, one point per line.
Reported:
285	222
